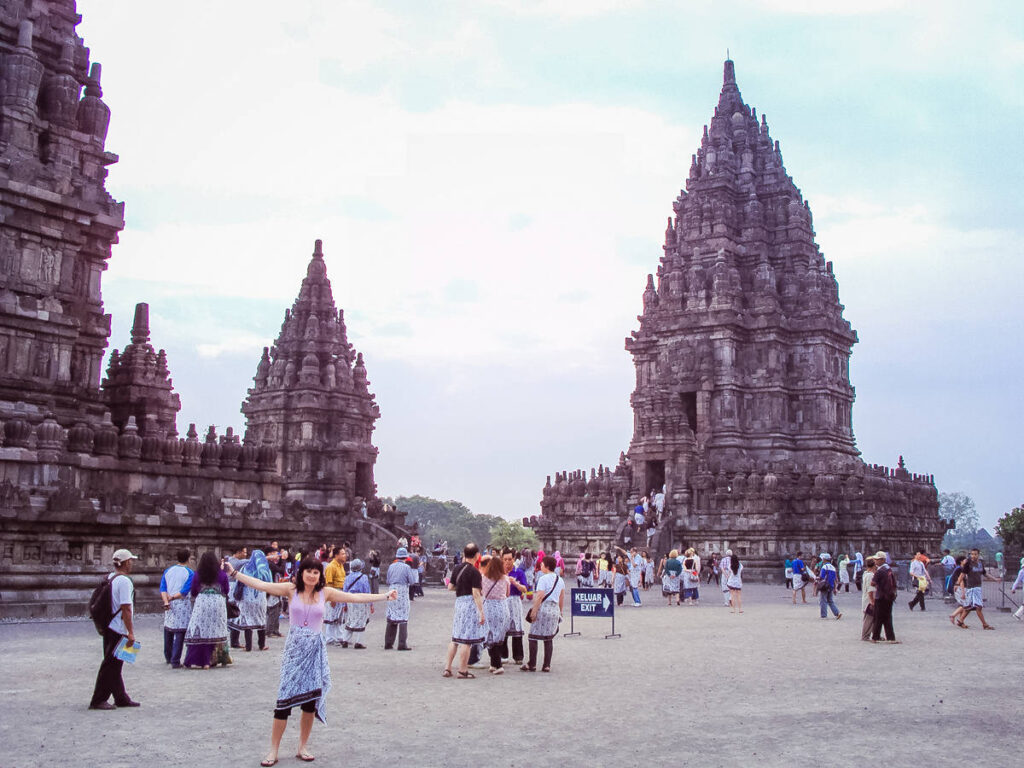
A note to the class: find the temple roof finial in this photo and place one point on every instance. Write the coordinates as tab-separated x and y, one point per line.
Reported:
140	327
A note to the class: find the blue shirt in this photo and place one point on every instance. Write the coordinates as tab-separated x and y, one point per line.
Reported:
357	583
519	575
798	566
180	580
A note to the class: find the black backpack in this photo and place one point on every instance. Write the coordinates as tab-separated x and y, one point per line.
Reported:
100	610
587	568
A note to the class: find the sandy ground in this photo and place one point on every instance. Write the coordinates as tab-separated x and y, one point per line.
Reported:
682	686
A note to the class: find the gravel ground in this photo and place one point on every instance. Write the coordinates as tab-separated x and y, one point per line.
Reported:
688	685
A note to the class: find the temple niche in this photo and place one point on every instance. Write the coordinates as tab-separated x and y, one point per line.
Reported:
90	466
742	409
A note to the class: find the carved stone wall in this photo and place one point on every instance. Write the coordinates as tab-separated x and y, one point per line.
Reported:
743	403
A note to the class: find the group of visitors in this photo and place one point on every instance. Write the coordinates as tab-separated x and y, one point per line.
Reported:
489	594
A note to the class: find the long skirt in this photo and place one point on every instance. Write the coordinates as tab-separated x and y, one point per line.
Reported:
466	627
620	583
357	616
334	613
548	619
398	610
176	619
515	616
208	624
305	674
252	612
669	584
496	622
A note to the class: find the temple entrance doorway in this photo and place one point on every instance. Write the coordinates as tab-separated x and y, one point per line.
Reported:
654	476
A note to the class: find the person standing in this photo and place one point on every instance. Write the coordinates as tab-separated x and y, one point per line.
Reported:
735	583
305	674
236	560
884	582
518	587
621	578
495	590
174	591
356	615
277	573
1017	583
548	602
399	579
725	564
844	572
208	625
948	566
585	571
374	561
334	577
252	603
828	579
919	580
468	618
787	572
867	599
121	626
671	577
798	578
648	571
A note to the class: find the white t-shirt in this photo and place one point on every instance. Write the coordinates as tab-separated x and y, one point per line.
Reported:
122	592
917	569
545	582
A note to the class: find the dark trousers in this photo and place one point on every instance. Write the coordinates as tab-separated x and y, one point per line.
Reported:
233	638
261	638
274	619
495	653
549	647
475	651
918	600
618	597
517	650
883	618
174	643
108	679
392	629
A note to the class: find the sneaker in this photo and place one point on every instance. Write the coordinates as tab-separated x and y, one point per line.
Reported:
839	616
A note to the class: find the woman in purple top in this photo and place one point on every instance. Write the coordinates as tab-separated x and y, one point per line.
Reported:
305	674
208	624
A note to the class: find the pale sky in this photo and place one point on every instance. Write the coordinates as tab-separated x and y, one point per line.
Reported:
491	179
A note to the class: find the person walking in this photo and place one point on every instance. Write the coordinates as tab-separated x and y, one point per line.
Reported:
208	624
919	580
468	618
867	599
1017	584
799	585
399	578
735	582
121	626
548	601
175	584
828	579
975	574
305	673
948	566
356	615
884	582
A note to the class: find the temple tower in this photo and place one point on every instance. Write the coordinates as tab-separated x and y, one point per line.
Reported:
311	401
58	220
742	408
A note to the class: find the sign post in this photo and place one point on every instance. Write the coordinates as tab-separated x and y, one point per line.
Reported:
592	604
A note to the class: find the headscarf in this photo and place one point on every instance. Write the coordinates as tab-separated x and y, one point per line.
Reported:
257	567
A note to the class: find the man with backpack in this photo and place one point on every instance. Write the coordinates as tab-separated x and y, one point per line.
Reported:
827	580
111	610
586	577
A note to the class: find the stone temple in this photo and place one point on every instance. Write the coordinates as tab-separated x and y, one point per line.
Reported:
87	466
742	409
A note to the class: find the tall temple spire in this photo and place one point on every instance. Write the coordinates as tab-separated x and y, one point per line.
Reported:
310	399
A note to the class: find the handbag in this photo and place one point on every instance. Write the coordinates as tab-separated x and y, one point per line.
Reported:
531	615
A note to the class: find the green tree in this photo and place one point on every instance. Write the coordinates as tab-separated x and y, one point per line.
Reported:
450	520
960	508
1010	529
514	535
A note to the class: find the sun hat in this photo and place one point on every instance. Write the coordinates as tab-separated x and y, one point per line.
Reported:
880	555
826	556
401	554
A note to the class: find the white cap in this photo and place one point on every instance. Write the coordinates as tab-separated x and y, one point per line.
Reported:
123	556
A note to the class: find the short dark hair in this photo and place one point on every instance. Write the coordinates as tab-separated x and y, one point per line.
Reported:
183	555
470	551
309	564
549	562
586	556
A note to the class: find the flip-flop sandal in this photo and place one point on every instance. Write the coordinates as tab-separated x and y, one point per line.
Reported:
988	626
467	676
268	762
962	625
446	673
305	757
